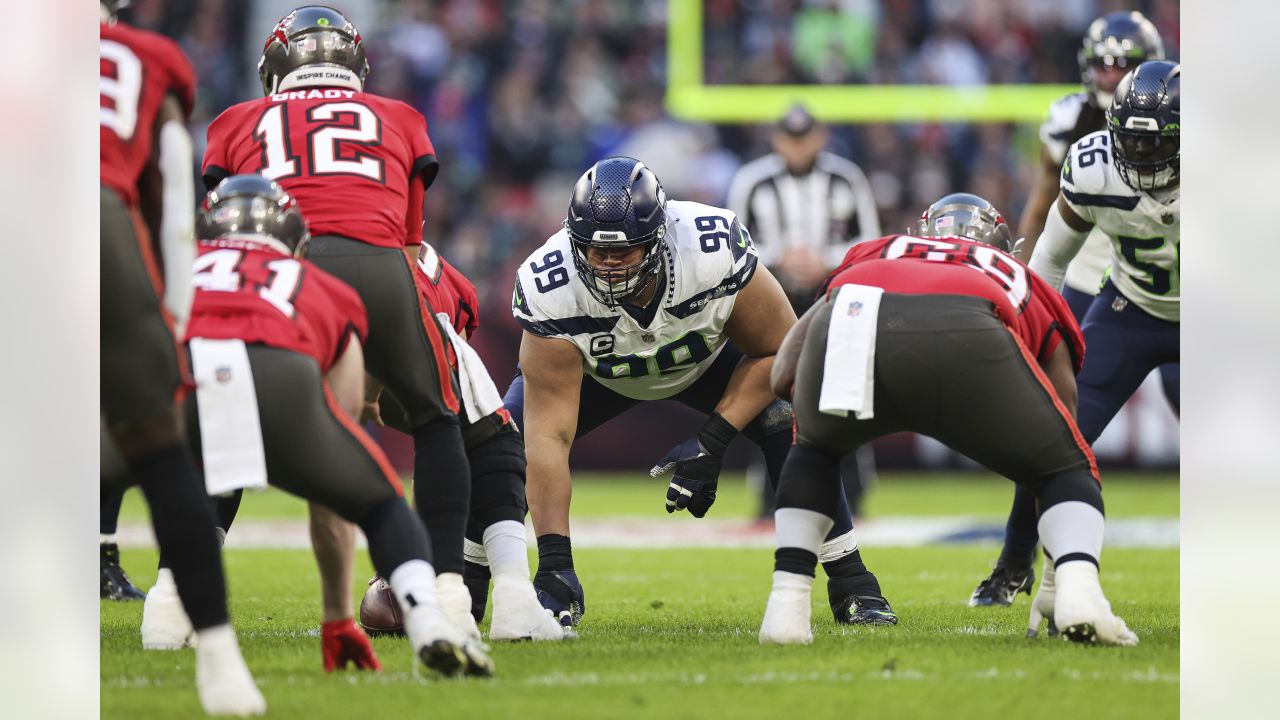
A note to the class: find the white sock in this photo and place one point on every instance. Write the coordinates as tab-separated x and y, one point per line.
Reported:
106	539
507	549
218	643
838	547
802	529
414	584
791	582
1072	528
164	580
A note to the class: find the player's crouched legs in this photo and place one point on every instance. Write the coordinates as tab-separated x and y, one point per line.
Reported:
807	498
497	516
852	590
1071	527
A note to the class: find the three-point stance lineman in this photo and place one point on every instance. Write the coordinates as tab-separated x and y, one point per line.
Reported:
640	298
948	335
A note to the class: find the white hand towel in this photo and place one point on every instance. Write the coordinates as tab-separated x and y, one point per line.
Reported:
848	376
230	430
479	394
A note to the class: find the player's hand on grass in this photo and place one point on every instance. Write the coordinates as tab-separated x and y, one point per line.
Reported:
342	642
560	593
696	476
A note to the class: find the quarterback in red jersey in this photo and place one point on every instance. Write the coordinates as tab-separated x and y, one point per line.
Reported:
146	87
275	347
359	166
496	547
945	334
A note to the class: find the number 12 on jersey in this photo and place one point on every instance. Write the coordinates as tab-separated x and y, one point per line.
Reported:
341	126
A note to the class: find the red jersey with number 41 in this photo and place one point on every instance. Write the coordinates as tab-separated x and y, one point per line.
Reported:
249	293
136	71
358	164
1033	310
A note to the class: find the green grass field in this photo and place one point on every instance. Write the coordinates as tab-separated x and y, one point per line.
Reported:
672	633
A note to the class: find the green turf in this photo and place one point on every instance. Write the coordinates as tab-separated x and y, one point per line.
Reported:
673	634
975	494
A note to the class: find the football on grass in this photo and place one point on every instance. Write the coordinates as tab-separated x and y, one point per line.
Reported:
380	611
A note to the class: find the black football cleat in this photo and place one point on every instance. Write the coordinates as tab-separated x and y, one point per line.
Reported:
115	584
864	610
1002	586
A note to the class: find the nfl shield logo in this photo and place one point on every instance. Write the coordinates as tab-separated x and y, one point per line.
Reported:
222	374
855	308
1119	304
1167	218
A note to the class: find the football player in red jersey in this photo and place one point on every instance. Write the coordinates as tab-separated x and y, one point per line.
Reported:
496	545
945	334
275	347
359	166
146	88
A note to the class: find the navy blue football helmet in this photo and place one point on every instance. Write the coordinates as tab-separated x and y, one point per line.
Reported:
1145	121
618	204
968	216
1118	39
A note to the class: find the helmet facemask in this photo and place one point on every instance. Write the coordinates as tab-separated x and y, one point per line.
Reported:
1146	160
613	286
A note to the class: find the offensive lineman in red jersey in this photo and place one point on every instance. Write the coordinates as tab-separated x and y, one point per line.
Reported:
146	88
359	166
496	545
289	334
944	334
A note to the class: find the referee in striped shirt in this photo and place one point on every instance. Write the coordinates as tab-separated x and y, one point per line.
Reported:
805	207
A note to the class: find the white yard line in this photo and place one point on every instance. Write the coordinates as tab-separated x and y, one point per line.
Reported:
1150	532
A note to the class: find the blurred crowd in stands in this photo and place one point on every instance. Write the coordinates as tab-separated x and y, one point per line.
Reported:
521	96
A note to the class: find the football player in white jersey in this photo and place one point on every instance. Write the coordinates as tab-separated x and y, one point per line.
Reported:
1113	45
639	298
1124	181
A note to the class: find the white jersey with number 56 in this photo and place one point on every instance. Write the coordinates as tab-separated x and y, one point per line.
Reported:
1144	230
709	257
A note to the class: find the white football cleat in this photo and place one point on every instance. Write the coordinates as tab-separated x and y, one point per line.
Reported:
165	625
223	680
1080	610
455	601
441	646
787	616
1042	605
517	614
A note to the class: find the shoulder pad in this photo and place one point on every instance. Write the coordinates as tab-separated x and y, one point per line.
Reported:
1089	168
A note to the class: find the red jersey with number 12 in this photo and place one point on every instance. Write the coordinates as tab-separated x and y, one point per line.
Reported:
349	158
249	293
1033	310
136	71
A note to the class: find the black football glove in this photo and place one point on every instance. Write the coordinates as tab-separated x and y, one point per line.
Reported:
697	463
556	582
560	592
